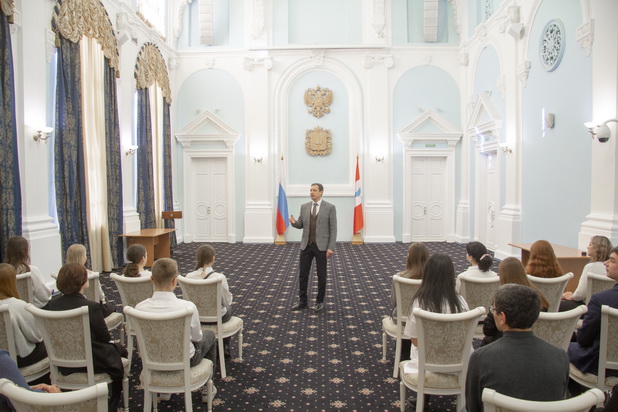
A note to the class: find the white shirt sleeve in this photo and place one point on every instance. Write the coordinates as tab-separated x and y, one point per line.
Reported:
196	328
41	293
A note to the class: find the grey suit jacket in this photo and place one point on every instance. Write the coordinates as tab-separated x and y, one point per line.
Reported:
326	230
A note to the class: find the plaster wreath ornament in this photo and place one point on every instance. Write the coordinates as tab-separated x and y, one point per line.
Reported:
318	100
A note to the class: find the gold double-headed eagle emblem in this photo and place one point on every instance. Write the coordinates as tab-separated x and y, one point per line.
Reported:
318	100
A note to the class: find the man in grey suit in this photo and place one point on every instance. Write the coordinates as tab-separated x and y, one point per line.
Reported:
318	220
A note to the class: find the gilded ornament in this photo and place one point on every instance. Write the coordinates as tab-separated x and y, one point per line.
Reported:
319	142
318	100
150	67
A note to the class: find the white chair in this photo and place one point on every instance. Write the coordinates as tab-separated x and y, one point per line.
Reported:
552	289
25	288
597	283
66	334
479	292
7	342
90	399
164	344
496	402
444	345
557	327
132	291
93	292
405	289
608	354
206	294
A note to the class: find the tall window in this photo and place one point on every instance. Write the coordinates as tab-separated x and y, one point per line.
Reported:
153	12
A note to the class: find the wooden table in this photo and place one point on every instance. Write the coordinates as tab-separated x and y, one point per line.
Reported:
570	259
156	242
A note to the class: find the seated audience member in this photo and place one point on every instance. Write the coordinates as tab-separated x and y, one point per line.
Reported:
9	370
584	354
520	364
76	253
511	271
137	256
28	339
18	255
165	278
543	262
72	282
598	250
480	261
417	257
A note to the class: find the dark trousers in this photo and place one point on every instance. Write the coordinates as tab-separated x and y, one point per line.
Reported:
205	349
306	257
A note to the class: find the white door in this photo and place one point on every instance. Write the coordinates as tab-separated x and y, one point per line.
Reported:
488	200
428	194
210	200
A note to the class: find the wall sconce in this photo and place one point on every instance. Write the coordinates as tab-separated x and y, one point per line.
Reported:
379	159
131	150
43	134
258	159
600	131
506	148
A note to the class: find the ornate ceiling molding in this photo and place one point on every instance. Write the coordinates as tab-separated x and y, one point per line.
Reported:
73	19
150	67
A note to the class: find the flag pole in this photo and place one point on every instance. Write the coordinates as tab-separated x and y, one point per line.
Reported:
359	222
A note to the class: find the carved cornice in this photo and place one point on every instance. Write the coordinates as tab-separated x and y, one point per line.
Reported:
150	67
585	36
7	7
73	19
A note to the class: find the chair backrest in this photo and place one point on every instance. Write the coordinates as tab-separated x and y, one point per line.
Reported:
445	341
496	402
7	339
557	327
25	287
66	334
206	294
479	291
552	289
597	283
93	291
608	347
163	339
91	399
405	289
133	290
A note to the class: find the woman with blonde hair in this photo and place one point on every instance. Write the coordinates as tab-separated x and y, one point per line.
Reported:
598	250
76	253
28	339
543	262
18	255
510	270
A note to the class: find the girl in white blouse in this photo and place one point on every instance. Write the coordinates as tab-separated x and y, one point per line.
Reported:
28	339
18	255
480	262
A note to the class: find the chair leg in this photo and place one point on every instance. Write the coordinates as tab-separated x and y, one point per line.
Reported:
130	348
121	332
402	396
420	401
125	393
221	357
383	346
148	401
240	345
397	358
188	400
210	394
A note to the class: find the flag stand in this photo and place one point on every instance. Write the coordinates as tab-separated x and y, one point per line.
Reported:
280	240
357	239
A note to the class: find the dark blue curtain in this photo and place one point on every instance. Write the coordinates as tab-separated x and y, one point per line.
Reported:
168	194
145	178
114	171
69	150
10	189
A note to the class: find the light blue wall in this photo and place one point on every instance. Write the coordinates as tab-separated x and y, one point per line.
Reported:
557	166
345	215
218	92
430	88
408	22
228	23
306	169
320	22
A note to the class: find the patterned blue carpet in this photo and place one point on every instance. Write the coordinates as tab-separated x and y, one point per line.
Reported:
305	361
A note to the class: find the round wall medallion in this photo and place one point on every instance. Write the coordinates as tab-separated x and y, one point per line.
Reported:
551	47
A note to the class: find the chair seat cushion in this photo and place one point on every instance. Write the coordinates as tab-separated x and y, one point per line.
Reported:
114	320
40	366
199	373
433	380
591	378
390	327
231	326
82	377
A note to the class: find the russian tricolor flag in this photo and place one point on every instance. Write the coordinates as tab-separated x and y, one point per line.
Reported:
282	203
359	222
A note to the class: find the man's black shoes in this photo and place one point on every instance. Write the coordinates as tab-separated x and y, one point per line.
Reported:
318	307
300	306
